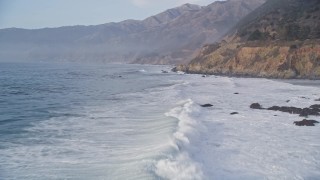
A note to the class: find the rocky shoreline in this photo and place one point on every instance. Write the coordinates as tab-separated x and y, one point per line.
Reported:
250	76
185	69
313	110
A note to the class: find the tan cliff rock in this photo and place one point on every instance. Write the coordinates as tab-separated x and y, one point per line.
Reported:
281	39
270	60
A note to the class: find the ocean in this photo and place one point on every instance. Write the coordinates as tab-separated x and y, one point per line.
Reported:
90	121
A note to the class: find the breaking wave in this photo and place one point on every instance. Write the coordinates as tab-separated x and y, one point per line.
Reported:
180	163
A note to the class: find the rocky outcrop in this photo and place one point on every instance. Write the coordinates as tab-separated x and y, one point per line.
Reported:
280	39
306	122
305	112
313	110
206	105
256	106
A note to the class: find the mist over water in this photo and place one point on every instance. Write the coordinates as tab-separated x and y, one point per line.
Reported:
80	121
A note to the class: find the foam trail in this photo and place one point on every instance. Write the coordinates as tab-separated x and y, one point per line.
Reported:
180	165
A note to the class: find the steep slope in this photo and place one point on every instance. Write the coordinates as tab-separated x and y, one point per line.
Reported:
280	39
169	37
178	40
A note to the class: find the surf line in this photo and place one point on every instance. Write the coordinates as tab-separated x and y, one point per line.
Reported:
179	164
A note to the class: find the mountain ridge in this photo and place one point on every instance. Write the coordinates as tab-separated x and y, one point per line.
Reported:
172	38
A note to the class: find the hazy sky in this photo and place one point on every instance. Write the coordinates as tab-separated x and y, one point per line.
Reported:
53	13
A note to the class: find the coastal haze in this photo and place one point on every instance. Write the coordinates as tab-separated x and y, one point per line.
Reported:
171	37
177	90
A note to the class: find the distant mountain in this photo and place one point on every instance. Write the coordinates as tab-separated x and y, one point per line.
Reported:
170	15
280	39
179	40
170	37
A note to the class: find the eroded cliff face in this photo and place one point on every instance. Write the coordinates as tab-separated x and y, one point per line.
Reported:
272	60
281	39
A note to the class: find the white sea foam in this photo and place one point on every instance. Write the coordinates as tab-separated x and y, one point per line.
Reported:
128	135
179	165
209	143
114	136
254	144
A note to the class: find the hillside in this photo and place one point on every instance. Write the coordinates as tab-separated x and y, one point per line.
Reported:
280	39
167	38
180	40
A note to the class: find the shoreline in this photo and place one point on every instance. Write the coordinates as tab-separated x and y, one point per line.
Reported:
303	81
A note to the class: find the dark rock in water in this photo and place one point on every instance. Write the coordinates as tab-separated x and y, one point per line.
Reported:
315	106
317	99
305	123
291	110
274	108
204	75
206	105
288	101
309	112
163	71
234	113
256	106
236	93
175	69
304	97
275	115
120	76
312	111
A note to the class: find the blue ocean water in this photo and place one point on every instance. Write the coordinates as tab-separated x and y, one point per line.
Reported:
132	122
80	121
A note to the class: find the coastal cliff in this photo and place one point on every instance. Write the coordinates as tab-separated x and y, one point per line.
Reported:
269	60
281	39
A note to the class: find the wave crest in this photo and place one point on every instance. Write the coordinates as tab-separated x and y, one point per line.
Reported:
180	165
